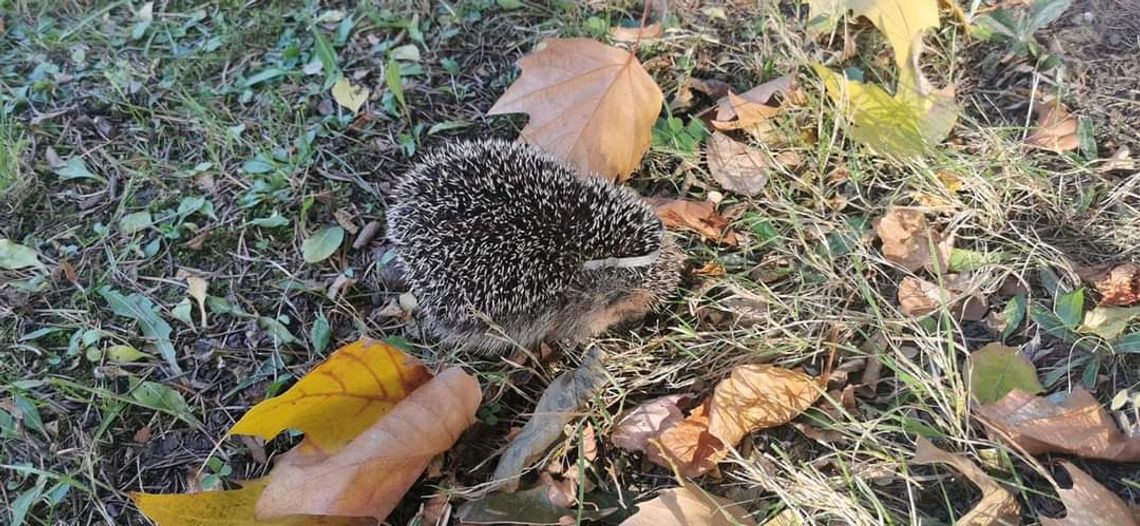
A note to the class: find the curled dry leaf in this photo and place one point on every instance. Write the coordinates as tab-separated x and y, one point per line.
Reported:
559	404
699	216
713	88
634	430
589	103
738	113
339	398
736	166
688	506
1088	503
910	242
369	476
1056	128
197	289
758	397
997	507
232	507
1075	424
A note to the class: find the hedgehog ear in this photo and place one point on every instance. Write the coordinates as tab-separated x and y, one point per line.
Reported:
626	262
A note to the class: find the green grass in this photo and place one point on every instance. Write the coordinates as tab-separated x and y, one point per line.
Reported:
212	101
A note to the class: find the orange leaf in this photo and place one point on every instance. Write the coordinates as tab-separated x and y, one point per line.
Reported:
698	216
369	476
688	447
758	397
589	103
1118	286
689	506
231	508
339	398
1076	425
1088	503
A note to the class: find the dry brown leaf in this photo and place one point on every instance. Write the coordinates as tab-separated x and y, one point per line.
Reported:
197	289
589	103
635	34
713	88
1118	286
688	506
918	297
699	216
1056	128
1075	424
369	476
910	242
646	421
1088	503
736	166
688	447
997	507
758	397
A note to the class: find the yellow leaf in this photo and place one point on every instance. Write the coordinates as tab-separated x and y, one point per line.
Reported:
900	20
903	125
349	96
369	476
197	290
758	397
339	398
230	508
589	103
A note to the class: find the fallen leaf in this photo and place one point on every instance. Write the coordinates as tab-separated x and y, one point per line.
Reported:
736	166
232	508
688	506
633	431
197	289
636	34
997	507
910	242
369	476
1061	423
589	103
996	369
1118	286
339	398
735	112
918	297
348	96
1108	322
14	256
125	353
699	216
756	397
917	115
1088	503
558	405
688	447
713	88
135	222
1055	129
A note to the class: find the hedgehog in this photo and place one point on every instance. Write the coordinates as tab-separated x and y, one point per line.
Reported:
505	246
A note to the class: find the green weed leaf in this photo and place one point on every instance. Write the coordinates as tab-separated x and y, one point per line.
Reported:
1070	307
1129	343
135	222
139	308
77	169
15	256
322	244
320	334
